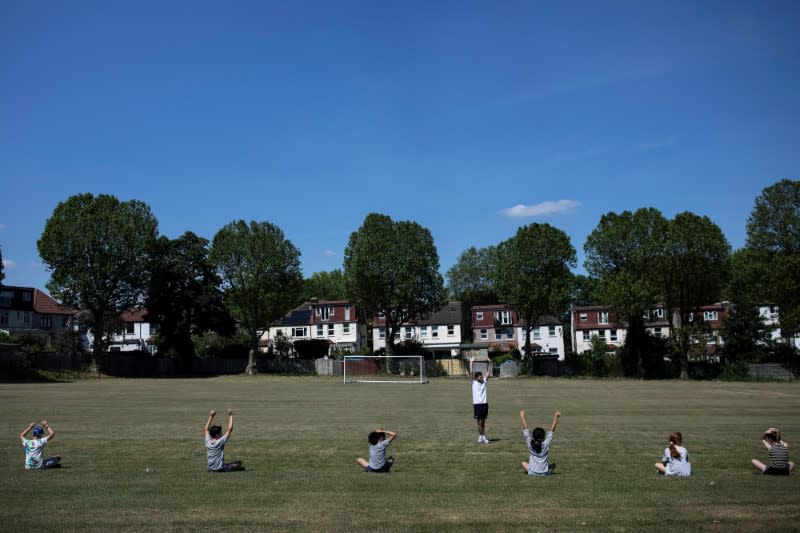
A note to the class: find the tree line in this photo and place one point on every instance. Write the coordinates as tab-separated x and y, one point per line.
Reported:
105	256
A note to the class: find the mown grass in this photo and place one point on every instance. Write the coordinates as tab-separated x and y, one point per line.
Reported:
299	438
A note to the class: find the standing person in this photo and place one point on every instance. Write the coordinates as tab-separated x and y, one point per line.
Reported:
676	458
538	447
378	442
34	447
215	445
480	406
779	463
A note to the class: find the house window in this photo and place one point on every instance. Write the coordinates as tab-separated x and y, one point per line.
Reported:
484	334
330	330
46	322
498	334
320	330
710	315
602	317
657	332
504	317
5	298
409	332
423	332
509	333
435	332
129	327
27	297
346	328
154	327
583	317
381	333
451	330
3	318
537	334
324	312
613	336
298	332
586	336
380	314
347	312
658	313
691	317
553	351
397	334
479	315
551	331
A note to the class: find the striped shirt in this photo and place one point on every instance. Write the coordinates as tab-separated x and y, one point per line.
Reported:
778	456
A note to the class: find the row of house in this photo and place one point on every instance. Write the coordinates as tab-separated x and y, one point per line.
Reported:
25	310
442	333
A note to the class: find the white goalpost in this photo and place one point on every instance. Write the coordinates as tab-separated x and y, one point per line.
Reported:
384	369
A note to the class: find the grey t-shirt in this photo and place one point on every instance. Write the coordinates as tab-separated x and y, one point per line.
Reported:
216	452
537	462
377	454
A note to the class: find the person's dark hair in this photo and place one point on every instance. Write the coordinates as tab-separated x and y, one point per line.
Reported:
675	439
478	374
375	437
538	438
215	431
771	437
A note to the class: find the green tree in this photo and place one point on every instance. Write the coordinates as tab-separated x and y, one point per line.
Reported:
325	286
261	277
97	249
184	296
583	290
692	270
2	267
472	280
393	268
773	231
533	274
623	254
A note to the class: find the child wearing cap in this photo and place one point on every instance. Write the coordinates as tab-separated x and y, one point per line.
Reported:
34	447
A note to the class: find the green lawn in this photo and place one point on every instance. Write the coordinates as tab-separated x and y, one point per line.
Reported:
299	438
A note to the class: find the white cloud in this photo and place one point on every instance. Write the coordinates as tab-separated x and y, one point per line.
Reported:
329	253
9	264
560	207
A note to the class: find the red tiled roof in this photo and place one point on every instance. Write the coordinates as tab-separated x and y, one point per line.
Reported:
45	305
134	315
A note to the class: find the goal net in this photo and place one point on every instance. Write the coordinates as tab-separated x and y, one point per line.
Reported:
384	369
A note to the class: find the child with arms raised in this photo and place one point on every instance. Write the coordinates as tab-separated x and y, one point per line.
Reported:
215	445
378	442
539	447
779	463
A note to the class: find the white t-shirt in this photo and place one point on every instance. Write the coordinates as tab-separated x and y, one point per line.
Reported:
377	454
33	452
677	466
479	391
538	462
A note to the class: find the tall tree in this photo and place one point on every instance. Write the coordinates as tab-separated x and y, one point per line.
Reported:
393	268
692	269
184	296
533	274
2	267
97	249
325	286
623	254
261	277
472	280
773	231
583	290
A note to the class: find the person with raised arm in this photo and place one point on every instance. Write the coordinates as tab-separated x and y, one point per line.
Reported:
215	445
480	405
34	447
538	444
378	442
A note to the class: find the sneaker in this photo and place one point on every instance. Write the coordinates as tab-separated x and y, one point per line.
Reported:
480	439
551	467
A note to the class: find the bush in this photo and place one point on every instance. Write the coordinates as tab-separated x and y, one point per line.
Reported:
735	370
311	348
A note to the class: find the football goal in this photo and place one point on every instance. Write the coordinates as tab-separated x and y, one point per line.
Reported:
384	369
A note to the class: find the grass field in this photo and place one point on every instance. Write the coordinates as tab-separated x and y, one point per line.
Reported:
299	438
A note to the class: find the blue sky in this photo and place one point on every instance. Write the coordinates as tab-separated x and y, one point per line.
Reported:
470	118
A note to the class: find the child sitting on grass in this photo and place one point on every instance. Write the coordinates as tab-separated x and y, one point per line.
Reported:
34	448
676	458
539	447
378	442
215	445
779	463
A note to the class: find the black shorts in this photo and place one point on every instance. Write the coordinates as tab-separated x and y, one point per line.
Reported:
772	471
382	470
480	410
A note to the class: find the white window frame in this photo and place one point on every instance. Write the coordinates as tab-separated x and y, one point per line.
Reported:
478	315
434	332
613	335
551	331
602	317
710	316
583	317
331	330
484	333
537	334
346	328
320	330
451	330
587	335
300	329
